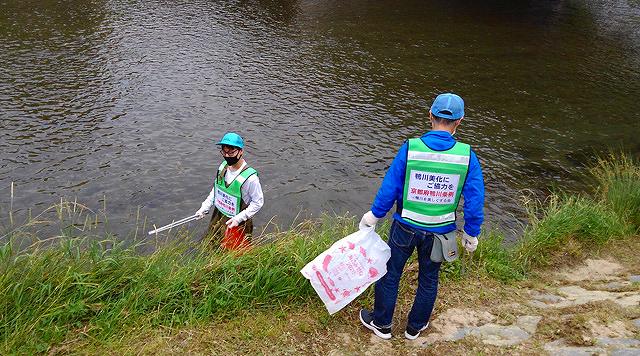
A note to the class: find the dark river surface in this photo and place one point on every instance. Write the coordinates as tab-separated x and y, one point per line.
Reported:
126	99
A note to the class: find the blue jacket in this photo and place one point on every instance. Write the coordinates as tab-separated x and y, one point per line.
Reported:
393	187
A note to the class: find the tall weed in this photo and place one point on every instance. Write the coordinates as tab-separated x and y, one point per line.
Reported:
495	259
562	218
618	178
80	287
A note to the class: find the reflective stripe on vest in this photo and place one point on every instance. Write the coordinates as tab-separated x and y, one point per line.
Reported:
438	157
228	199
433	183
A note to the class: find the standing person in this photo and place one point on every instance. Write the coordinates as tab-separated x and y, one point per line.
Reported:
236	196
425	181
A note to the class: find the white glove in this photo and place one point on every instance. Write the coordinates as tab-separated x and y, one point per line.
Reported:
202	212
368	220
233	222
469	243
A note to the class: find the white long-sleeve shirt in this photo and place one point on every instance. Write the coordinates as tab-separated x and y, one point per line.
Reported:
251	194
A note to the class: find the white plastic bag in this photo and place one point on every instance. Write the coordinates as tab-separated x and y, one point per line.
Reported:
347	268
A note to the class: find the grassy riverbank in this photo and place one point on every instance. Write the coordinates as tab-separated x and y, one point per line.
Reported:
79	290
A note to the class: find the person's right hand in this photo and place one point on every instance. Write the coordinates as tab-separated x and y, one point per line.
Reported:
368	220
202	212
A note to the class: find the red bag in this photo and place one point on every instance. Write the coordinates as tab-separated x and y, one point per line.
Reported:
235	239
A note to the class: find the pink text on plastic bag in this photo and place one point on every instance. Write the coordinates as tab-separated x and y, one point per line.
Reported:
348	268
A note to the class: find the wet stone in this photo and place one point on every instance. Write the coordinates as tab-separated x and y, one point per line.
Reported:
625	352
576	295
499	335
538	304
529	323
559	347
612	286
618	342
547	298
461	333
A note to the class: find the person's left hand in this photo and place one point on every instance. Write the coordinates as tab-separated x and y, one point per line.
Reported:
233	222
470	243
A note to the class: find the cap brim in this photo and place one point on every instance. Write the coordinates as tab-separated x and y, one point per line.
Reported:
228	144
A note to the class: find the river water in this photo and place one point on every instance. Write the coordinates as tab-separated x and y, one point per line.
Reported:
125	99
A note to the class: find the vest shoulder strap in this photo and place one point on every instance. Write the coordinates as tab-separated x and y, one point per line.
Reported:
245	174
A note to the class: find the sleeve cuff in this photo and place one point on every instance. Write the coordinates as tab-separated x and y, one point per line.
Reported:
377	214
472	235
241	217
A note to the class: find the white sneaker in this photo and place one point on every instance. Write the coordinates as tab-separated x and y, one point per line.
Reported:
412	333
366	318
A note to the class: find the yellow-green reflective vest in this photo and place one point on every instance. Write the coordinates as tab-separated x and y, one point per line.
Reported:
228	198
433	183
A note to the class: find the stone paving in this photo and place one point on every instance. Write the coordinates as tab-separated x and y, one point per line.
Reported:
619	337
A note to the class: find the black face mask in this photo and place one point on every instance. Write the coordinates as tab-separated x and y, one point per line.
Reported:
232	160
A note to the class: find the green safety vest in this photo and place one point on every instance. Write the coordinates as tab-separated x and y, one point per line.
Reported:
433	183
228	198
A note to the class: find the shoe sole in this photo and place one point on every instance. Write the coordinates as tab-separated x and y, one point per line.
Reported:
375	331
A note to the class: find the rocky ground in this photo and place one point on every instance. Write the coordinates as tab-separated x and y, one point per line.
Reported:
584	310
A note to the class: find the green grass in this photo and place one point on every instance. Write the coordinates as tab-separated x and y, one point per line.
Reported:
77	286
563	218
495	260
612	211
618	184
80	287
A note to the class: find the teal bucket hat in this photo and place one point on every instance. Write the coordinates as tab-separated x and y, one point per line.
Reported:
231	139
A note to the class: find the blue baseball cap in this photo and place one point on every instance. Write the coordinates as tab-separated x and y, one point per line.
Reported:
231	139
448	106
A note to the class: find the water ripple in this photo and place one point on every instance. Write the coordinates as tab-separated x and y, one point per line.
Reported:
125	99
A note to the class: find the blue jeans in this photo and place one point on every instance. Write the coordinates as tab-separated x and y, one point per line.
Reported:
402	240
